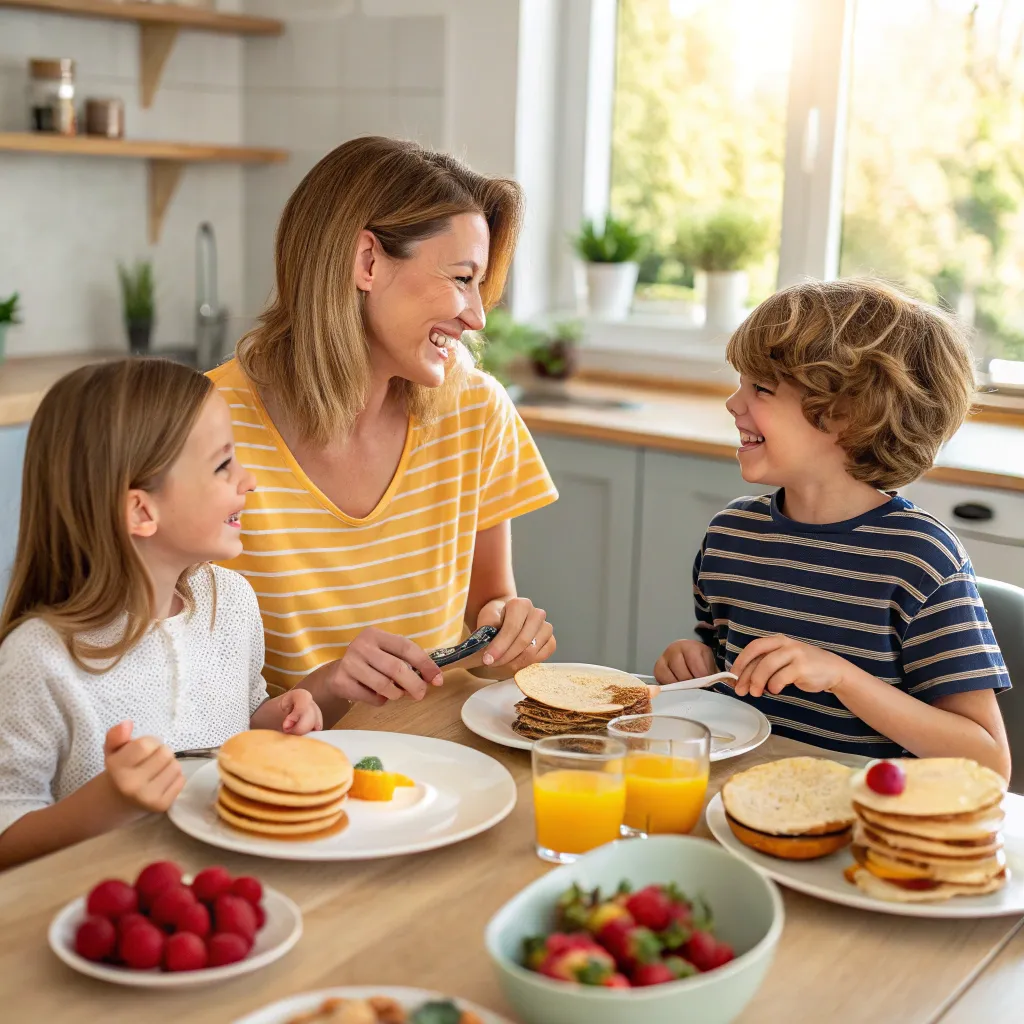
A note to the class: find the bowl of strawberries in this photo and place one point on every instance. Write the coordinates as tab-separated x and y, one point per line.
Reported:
662	929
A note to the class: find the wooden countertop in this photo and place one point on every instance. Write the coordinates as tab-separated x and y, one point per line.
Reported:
988	451
419	921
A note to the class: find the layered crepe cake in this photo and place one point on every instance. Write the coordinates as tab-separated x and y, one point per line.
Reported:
937	839
557	700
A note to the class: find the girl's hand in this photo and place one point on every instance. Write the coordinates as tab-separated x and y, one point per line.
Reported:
144	771
301	713
524	634
684	659
771	663
379	666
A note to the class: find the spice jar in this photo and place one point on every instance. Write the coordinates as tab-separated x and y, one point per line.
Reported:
52	95
104	117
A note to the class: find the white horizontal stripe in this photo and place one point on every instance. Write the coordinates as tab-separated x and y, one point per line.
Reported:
267	469
244	423
283	552
892	531
805	616
236	390
283	490
291	512
447	437
506	512
945	606
438	462
816	730
439	483
256	447
349	529
236	405
460	411
988	671
856	652
956	652
955	627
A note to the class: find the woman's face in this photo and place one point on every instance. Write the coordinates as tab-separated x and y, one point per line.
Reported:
416	309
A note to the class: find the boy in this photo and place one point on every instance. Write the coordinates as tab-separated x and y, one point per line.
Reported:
851	617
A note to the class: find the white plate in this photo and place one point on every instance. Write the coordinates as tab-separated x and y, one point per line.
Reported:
823	878
490	713
283	928
410	998
459	792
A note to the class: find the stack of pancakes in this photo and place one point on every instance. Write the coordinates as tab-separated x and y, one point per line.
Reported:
282	787
797	808
939	838
558	700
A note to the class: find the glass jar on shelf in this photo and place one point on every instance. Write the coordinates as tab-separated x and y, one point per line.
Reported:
52	95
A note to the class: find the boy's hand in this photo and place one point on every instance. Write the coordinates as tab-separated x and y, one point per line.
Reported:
144	771
771	663
301	713
685	659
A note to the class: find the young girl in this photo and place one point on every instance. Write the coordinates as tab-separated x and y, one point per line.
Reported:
120	642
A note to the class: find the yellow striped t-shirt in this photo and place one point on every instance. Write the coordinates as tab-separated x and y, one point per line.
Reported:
322	576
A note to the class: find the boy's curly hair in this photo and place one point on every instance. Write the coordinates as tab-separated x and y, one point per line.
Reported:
894	377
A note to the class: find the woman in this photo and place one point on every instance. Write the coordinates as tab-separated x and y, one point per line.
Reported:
388	468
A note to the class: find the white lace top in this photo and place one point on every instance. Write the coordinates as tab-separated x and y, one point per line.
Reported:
184	683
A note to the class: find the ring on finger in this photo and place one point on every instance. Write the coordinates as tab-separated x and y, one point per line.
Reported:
533	642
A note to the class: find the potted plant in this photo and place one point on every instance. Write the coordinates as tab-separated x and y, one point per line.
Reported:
723	245
8	316
503	341
611	255
137	294
554	355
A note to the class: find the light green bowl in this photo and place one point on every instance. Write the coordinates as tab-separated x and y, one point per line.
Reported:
748	915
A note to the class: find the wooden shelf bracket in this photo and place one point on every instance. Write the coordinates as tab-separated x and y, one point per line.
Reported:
164	176
155	45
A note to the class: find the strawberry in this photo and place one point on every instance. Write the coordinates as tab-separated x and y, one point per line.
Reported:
210	883
706	953
679	967
651	907
154	877
656	973
248	888
558	942
629	944
226	948
96	938
573	908
617	981
587	966
605	912
184	952
193	919
112	898
233	914
169	904
142	946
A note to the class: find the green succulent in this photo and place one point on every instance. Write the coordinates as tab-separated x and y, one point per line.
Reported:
614	242
731	238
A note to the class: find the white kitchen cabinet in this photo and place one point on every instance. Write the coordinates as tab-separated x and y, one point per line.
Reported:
12	456
575	558
681	495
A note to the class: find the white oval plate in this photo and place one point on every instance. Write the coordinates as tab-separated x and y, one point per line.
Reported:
490	713
410	999
459	792
823	878
282	930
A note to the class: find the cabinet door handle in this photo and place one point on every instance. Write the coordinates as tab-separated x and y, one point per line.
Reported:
973	511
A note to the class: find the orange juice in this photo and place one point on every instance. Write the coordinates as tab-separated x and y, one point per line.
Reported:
664	794
578	810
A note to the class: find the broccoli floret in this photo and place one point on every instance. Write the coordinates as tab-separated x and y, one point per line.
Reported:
370	764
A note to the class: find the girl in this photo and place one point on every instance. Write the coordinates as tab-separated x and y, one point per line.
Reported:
120	642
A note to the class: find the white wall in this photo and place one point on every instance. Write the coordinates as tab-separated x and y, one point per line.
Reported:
65	222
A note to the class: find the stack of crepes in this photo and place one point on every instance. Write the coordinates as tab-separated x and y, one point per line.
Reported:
939	838
559	700
282	787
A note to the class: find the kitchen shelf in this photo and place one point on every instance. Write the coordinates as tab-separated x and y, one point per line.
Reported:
159	25
166	160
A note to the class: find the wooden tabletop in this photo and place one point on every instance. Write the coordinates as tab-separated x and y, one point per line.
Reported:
419	921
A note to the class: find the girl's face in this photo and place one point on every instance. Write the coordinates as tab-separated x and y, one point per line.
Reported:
417	309
194	515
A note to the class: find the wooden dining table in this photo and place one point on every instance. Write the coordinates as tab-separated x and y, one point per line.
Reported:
419	921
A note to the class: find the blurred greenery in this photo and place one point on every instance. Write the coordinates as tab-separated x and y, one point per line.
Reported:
9	310
504	340
614	242
138	292
730	238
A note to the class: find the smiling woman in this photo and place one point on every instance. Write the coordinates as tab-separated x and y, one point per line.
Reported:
388	468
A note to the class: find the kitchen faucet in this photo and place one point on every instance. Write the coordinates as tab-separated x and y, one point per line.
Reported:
211	317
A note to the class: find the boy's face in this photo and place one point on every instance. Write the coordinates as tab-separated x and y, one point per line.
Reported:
778	446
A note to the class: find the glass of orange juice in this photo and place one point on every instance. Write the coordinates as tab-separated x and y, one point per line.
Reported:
667	764
579	794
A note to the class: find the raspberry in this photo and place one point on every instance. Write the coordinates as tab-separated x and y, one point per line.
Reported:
111	898
210	883
185	952
142	946
886	778
95	938
233	914
261	917
169	904
248	888
194	919
154	877
226	948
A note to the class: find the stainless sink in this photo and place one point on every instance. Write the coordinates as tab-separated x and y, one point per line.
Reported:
561	400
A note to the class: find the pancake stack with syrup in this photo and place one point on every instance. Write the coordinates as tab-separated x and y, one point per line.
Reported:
558	700
937	839
275	786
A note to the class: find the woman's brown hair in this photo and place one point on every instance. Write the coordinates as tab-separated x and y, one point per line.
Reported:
892	376
99	432
310	345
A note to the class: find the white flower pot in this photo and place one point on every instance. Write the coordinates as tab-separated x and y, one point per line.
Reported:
726	299
610	288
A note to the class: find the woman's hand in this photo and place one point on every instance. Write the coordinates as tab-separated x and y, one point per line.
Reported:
684	659
379	666
301	713
144	771
771	663
524	634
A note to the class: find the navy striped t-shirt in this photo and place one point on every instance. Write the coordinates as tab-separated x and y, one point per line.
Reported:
892	591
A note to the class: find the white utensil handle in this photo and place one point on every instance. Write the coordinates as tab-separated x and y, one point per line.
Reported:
695	684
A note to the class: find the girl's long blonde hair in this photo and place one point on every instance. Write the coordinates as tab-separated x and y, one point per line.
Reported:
99	432
310	346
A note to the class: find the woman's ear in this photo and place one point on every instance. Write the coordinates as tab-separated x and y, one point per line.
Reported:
367	261
141	514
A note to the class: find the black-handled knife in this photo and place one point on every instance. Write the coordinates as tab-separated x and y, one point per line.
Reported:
477	642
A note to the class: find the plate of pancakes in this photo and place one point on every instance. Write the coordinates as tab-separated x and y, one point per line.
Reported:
287	797
950	845
553	699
